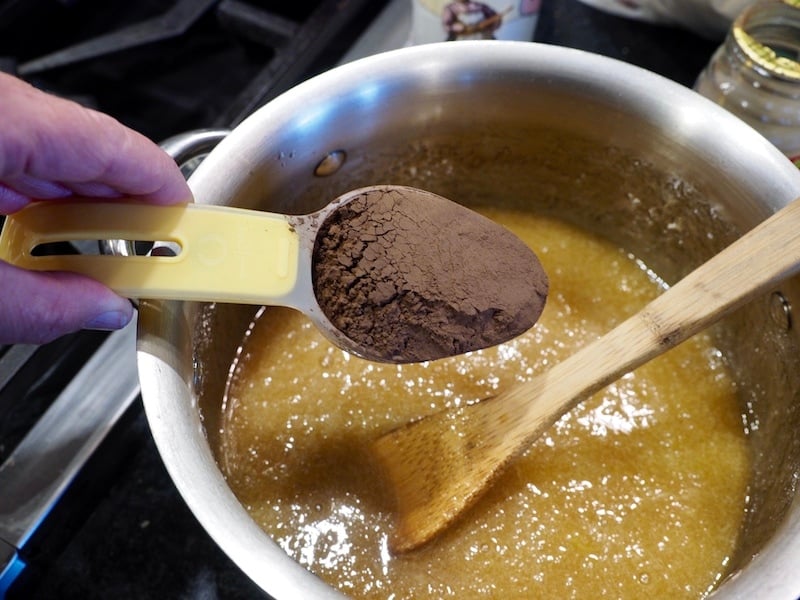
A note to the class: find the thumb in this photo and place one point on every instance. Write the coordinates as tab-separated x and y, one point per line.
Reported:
38	307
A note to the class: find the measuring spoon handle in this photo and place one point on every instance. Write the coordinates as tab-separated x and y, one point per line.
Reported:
225	254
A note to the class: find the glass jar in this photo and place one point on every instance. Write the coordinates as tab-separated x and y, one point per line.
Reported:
755	73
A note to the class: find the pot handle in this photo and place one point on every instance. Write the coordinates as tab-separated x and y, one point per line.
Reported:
192	145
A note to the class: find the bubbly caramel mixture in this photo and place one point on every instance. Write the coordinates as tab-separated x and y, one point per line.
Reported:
638	492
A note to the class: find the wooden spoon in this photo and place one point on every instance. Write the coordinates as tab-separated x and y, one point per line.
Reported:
441	464
391	273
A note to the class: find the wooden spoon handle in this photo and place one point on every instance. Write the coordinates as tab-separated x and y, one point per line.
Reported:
750	266
440	464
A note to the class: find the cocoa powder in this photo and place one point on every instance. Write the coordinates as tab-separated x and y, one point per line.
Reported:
417	277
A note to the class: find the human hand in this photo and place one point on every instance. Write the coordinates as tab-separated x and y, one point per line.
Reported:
52	148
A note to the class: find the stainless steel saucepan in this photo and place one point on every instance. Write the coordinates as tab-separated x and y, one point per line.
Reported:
643	161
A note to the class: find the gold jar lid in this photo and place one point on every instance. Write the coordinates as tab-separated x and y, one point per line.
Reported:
765	56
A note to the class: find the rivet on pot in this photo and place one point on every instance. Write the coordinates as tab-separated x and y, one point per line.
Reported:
331	163
780	311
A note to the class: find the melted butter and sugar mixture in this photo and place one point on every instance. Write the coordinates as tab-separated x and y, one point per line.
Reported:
638	492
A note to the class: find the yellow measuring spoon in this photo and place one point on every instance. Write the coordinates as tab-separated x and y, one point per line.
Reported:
379	270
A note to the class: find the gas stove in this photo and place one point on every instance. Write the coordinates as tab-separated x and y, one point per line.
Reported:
86	507
167	66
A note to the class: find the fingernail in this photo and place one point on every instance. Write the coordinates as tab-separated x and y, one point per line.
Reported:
108	321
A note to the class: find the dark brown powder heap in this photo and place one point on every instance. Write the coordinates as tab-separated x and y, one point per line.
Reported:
417	277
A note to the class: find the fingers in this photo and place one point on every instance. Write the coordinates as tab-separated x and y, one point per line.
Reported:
37	307
51	147
18	192
11	200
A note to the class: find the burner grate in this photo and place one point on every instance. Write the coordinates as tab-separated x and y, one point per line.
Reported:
167	67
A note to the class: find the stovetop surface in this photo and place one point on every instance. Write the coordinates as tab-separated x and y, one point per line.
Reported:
183	64
130	533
